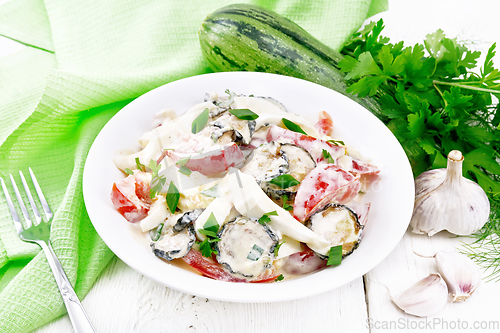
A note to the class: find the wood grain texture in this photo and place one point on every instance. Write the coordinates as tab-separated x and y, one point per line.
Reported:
123	301
403	268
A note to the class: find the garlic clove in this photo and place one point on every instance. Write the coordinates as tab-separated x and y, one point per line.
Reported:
461	274
445	200
424	298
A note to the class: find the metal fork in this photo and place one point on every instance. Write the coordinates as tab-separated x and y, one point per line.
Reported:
40	233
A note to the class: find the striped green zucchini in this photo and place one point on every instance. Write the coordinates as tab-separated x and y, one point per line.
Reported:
244	37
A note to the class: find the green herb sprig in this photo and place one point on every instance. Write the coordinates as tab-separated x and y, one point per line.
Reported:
210	229
432	99
328	157
266	217
284	181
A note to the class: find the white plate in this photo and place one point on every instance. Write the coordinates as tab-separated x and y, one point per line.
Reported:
391	196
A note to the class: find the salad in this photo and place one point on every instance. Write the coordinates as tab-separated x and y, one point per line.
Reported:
243	191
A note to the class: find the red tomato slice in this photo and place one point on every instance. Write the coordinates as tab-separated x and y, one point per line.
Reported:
325	183
325	123
212	162
364	168
312	145
210	269
301	263
126	197
357	166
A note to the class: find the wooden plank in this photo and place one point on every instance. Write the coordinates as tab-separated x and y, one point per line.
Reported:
123	300
403	268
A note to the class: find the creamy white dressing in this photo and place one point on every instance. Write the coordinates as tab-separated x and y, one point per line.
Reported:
335	226
245	247
156	215
236	193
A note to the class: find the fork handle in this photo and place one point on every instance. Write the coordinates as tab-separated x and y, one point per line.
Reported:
79	319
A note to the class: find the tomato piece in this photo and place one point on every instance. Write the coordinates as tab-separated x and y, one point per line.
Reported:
324	184
325	123
268	276
301	263
126	197
210	269
361	210
356	166
364	168
314	146
212	162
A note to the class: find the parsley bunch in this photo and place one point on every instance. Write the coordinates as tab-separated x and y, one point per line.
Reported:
433	99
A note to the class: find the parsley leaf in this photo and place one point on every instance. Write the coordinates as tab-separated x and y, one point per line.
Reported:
284	181
157	180
206	248
185	170
210	229
139	165
172	197
277	248
336	142
279	278
210	192
328	157
266	219
128	171
292	126
286	206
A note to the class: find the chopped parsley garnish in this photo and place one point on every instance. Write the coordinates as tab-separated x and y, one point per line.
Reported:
139	165
185	170
200	122
328	157
335	256
284	181
286	206
182	165
244	114
128	171
157	180
277	248
255	253
211	192
155	234
266	219
210	229
336	142
172	197
206	248
293	126
279	278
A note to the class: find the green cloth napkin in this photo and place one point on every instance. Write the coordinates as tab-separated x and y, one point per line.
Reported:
85	61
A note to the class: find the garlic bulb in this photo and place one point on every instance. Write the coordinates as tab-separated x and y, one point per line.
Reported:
461	274
424	298
445	200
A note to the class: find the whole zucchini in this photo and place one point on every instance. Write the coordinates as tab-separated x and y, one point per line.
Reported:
243	37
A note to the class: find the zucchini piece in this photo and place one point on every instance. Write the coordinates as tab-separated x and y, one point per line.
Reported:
339	225
244	37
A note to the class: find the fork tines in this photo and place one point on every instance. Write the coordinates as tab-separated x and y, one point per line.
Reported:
15	216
